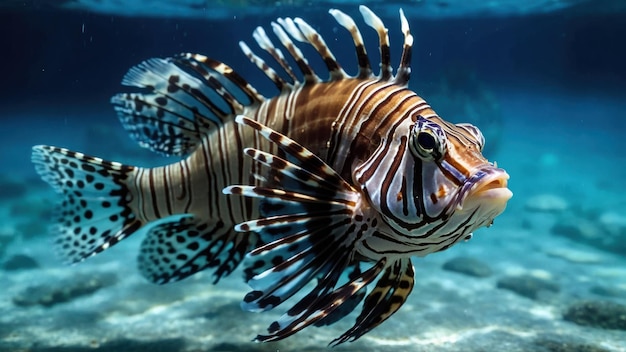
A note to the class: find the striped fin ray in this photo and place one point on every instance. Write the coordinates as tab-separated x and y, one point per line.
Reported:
310	165
295	254
312	182
315	188
298	266
390	293
322	302
190	95
284	26
224	80
404	70
266	44
383	36
287	28
279	82
316	40
349	303
311	236
365	68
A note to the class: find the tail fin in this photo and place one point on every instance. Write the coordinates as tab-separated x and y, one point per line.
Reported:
94	214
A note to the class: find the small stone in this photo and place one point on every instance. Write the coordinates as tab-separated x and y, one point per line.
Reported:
612	219
614	224
597	314
546	203
468	266
581	230
608	291
575	256
603	232
60	292
527	285
20	262
565	344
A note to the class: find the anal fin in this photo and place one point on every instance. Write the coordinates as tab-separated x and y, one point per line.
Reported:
180	247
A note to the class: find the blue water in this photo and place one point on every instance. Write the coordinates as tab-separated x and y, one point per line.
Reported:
557	116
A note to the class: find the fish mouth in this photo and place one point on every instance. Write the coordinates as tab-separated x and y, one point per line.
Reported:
488	187
492	186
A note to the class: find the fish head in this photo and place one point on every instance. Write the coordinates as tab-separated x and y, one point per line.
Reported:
435	179
458	182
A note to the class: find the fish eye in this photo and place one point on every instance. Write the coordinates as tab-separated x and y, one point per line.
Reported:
427	140
475	133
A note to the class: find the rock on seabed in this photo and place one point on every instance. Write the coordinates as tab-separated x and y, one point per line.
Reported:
468	266
597	314
527	285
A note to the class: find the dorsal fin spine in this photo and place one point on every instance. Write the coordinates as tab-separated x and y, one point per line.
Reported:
227	72
280	31
260	63
365	69
383	35
266	44
316	40
290	27
216	86
404	70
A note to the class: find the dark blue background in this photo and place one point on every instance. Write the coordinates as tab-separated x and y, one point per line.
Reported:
47	59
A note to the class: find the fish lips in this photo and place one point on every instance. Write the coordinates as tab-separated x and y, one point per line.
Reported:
488	187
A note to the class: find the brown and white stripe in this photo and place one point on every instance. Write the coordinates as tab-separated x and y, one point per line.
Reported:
331	175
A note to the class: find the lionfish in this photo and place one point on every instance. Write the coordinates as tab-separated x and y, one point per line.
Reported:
331	184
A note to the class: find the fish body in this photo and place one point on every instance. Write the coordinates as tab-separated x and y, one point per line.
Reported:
338	182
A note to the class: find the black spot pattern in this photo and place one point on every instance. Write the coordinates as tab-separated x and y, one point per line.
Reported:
183	108
181	247
85	224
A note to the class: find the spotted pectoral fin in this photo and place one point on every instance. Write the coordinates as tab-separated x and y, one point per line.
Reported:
178	248
188	96
95	213
390	293
311	234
